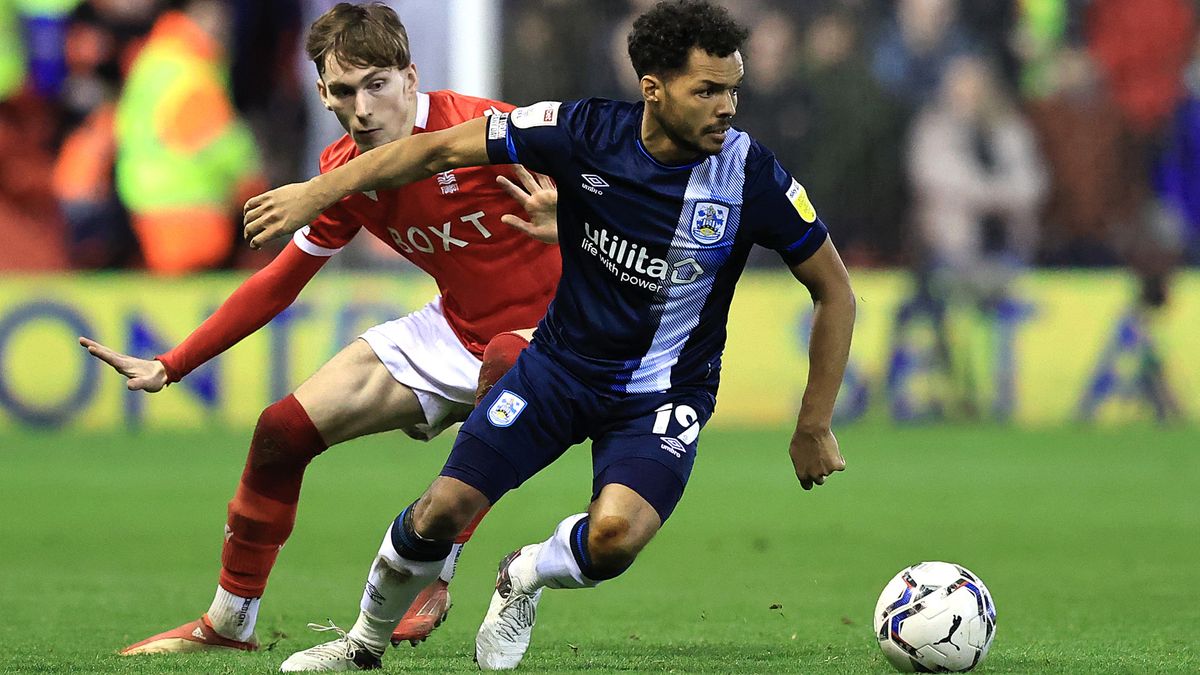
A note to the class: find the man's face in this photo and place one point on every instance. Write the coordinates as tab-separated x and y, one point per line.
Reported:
375	105
696	105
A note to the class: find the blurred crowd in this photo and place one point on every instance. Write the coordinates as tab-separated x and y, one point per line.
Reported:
131	130
967	139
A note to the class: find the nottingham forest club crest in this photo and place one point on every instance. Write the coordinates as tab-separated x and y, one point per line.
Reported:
506	409
708	222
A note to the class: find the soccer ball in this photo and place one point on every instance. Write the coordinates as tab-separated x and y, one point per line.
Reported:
935	617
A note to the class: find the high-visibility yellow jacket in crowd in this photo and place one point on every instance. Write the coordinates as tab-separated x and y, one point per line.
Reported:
12	56
185	160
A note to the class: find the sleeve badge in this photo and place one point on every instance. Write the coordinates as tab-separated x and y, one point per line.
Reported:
798	196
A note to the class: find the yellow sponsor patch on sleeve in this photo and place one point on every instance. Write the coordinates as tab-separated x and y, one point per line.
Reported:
798	196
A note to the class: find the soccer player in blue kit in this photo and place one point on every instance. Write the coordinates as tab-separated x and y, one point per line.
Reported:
659	203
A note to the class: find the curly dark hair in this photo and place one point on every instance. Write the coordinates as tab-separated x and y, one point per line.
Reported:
662	37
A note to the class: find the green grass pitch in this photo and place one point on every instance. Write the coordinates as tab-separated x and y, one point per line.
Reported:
1089	541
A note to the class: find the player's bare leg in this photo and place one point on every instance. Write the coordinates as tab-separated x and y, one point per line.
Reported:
352	395
584	550
413	551
432	605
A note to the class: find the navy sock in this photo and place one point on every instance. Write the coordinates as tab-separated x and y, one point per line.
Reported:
579	538
579	535
413	546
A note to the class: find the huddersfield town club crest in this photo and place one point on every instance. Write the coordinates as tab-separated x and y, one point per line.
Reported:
708	222
506	409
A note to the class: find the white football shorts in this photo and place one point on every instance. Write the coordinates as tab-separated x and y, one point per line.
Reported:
422	352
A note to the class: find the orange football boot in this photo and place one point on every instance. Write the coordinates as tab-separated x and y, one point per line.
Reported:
194	636
427	611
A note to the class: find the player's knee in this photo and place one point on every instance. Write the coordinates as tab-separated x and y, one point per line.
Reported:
445	510
498	358
612	546
280	438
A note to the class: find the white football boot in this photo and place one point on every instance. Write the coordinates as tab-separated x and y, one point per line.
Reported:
340	655
504	636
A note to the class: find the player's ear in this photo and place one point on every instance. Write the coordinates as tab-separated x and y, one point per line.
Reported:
411	79
321	91
651	88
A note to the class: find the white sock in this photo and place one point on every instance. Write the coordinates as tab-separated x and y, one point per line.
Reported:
556	564
373	631
451	565
392	584
232	615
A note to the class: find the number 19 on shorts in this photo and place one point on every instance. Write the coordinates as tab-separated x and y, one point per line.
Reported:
684	415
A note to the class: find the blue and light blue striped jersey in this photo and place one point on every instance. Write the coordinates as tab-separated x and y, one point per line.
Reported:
651	252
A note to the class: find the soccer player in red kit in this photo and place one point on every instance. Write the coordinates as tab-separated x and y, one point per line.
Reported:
419	373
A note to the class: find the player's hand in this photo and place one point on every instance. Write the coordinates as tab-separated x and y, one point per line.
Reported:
539	198
815	456
145	375
279	213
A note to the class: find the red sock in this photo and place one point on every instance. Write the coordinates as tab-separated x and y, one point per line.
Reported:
465	536
263	509
498	358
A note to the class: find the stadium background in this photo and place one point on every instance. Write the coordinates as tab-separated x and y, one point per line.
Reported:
1069	350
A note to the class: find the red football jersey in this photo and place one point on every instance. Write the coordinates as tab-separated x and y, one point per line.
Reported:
492	277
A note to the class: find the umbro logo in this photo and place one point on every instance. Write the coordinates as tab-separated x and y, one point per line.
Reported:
673	445
373	593
592	183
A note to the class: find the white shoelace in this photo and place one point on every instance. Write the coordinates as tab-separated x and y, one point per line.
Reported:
517	616
345	647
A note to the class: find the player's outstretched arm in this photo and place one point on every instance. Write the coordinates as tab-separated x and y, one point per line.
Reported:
144	374
255	302
538	195
814	449
284	210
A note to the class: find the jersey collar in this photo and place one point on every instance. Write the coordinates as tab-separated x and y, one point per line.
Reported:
422	118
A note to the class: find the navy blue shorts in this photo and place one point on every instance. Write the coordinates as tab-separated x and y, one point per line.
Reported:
538	410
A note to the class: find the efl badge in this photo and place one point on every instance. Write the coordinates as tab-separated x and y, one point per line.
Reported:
544	114
798	196
708	222
506	409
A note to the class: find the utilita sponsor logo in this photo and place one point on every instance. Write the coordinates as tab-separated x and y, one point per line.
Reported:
633	265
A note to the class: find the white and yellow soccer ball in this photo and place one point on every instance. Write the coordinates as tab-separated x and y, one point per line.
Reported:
935	617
